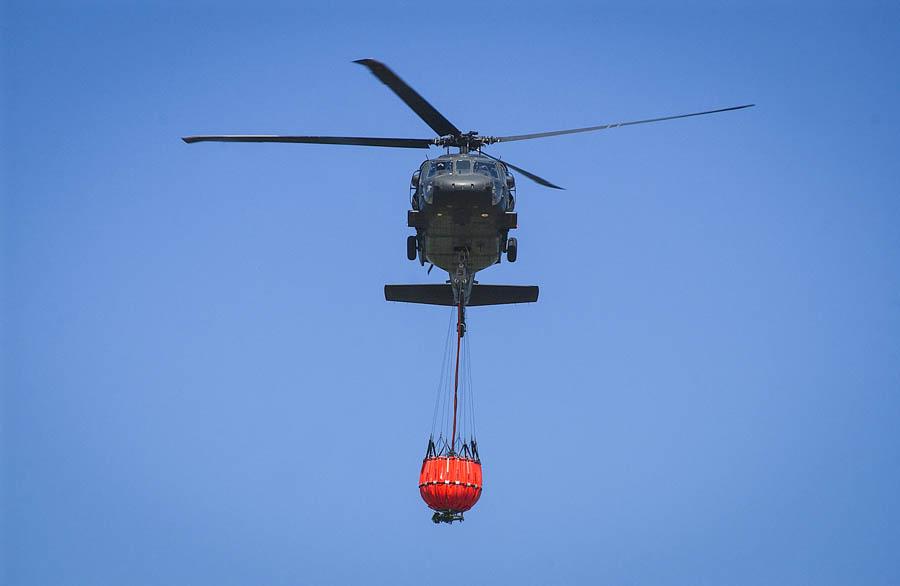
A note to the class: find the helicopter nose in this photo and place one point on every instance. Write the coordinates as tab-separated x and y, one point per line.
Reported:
463	190
463	182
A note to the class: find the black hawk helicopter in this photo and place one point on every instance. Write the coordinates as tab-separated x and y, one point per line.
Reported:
463	204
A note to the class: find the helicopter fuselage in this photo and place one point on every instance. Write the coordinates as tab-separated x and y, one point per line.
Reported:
462	204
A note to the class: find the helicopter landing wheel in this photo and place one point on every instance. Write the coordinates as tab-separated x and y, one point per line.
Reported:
411	248
512	250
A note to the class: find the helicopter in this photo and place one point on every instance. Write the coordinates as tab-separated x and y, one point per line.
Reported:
462	204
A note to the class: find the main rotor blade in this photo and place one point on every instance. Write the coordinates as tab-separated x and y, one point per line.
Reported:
536	178
405	143
420	106
614	125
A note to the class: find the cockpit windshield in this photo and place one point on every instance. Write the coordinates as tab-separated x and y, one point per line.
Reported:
489	169
463	166
439	168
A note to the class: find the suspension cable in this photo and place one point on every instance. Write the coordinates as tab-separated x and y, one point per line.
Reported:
456	374
470	389
440	390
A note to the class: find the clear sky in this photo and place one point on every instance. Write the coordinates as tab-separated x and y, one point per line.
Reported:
202	382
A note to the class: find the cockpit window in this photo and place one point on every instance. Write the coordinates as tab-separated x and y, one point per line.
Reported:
439	168
489	169
463	166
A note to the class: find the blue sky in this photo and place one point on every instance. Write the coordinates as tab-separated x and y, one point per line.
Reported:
202	383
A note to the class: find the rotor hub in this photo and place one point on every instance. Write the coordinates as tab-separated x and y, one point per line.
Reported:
465	141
